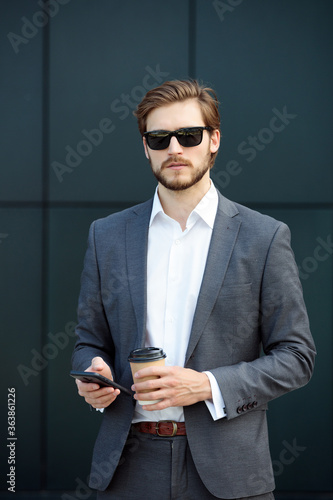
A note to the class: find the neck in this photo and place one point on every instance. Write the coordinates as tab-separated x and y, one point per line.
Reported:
179	204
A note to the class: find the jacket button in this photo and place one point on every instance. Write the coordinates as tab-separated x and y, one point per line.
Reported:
254	404
239	409
244	407
249	406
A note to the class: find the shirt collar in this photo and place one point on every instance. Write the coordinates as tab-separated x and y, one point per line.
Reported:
157	207
206	208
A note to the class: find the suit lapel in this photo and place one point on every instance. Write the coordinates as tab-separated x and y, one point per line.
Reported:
222	243
136	255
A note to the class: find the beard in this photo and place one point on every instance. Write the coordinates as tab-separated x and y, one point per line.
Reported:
177	182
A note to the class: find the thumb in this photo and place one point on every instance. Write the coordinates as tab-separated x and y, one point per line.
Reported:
97	364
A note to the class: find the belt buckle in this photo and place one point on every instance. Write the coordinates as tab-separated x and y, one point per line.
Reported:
174	428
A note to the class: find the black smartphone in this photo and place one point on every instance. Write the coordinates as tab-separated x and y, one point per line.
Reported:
96	378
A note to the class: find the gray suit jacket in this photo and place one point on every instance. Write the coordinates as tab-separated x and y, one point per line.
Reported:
250	298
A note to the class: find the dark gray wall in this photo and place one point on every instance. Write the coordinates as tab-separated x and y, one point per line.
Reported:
84	67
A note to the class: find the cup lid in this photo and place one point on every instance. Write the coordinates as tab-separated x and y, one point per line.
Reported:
146	354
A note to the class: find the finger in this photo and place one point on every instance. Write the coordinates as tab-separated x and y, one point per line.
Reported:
161	405
97	393
97	398
148	385
100	406
151	396
86	387
97	364
103	401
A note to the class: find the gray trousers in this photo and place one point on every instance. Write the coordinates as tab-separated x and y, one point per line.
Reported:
158	468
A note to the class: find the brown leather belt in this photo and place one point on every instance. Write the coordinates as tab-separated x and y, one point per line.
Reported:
164	428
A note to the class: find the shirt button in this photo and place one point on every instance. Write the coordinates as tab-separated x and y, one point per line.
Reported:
177	242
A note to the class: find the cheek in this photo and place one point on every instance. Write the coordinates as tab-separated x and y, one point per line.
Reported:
154	160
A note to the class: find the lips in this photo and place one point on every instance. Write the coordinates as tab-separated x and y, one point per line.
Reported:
175	163
176	166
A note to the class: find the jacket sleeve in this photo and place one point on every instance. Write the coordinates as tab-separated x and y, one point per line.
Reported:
288	347
93	332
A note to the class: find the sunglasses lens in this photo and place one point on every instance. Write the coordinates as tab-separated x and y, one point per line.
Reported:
158	140
189	137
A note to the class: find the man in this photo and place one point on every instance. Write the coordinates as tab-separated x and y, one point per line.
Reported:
210	282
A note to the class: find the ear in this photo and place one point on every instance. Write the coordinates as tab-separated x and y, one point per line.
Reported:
145	147
215	141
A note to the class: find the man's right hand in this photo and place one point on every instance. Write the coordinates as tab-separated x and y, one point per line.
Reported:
96	396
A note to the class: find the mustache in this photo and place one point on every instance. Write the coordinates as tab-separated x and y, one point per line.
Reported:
175	159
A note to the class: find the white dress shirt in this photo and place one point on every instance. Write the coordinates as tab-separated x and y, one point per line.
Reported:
175	267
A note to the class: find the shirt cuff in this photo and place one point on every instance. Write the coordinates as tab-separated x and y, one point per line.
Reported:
215	405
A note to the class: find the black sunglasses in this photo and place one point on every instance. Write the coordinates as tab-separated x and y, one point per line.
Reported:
187	137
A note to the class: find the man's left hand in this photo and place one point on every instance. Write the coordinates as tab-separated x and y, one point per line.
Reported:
175	386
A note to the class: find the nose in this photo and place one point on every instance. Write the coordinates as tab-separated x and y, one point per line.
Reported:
174	147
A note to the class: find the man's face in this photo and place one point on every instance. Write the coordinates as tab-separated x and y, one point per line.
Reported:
177	167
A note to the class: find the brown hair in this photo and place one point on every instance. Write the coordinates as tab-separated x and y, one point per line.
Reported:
175	91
